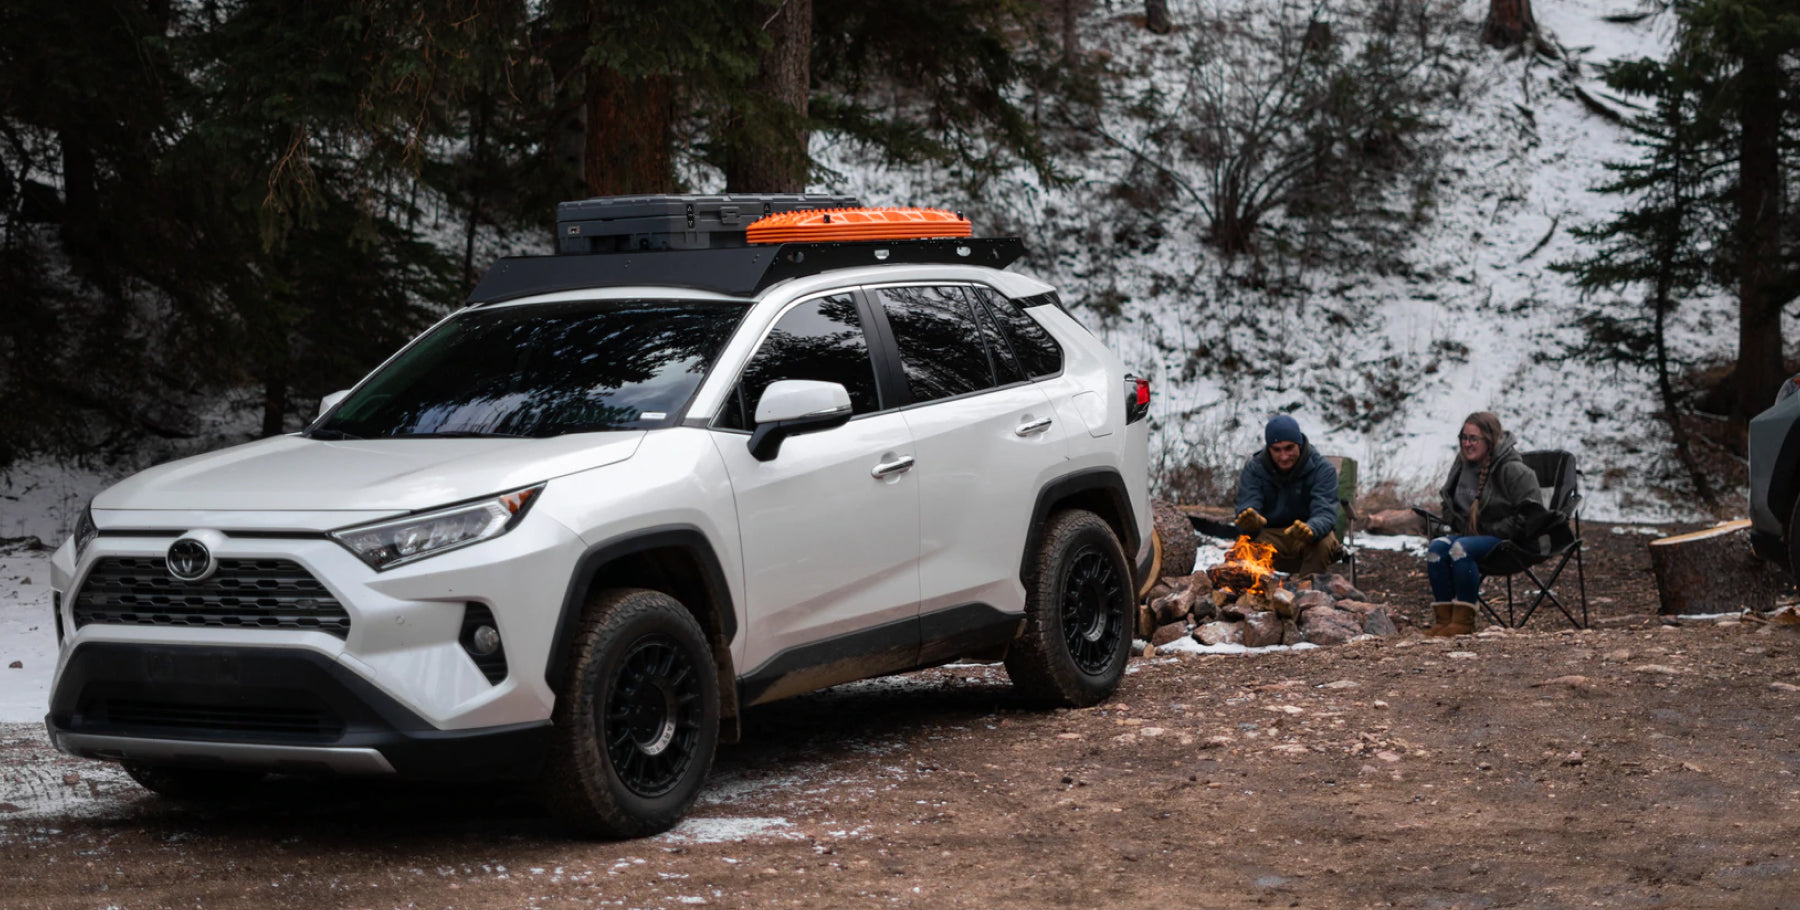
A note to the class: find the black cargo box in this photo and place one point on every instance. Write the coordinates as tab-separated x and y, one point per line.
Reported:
625	224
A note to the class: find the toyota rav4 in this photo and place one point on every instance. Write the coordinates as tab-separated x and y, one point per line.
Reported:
569	533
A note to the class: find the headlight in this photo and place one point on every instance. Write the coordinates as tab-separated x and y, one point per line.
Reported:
85	530
386	544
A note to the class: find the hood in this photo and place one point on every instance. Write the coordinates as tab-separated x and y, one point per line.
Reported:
293	473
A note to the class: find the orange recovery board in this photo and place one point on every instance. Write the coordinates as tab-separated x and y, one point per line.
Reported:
857	224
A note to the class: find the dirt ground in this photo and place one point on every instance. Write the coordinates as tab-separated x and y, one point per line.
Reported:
1637	764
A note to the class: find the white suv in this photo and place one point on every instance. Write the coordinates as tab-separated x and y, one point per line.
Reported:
569	533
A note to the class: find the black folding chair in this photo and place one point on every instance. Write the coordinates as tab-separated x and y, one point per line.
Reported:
1554	534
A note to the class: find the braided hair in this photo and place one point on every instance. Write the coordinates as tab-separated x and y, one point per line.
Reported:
1488	425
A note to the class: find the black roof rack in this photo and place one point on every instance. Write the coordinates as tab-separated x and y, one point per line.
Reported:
739	271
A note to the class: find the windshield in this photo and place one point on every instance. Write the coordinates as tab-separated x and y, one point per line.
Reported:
542	370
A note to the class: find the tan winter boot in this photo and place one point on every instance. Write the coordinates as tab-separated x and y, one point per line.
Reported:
1462	618
1440	620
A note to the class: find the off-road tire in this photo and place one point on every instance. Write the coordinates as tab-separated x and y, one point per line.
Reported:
190	783
637	720
1079	611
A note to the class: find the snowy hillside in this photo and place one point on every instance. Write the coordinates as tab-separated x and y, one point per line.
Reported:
1382	364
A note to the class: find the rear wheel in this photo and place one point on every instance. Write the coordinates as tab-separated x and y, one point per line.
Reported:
637	721
193	783
1079	608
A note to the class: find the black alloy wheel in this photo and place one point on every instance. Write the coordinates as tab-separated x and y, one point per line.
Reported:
1093	612
653	717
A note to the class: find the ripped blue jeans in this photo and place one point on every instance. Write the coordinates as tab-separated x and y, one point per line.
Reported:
1450	564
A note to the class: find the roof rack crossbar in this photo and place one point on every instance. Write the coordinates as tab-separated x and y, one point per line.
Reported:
738	271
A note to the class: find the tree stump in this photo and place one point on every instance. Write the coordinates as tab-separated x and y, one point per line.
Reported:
1179	542
1713	571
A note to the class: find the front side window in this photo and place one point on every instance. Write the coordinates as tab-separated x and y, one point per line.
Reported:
818	339
941	349
542	370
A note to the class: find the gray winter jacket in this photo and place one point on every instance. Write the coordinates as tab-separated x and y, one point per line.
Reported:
1507	506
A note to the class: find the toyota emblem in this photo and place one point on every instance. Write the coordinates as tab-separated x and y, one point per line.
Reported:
190	560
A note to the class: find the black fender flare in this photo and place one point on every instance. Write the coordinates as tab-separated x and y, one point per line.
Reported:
597	557
1106	482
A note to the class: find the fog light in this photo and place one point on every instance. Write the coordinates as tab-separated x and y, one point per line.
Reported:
485	641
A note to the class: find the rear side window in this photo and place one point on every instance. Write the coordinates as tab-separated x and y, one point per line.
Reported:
941	351
819	339
1038	353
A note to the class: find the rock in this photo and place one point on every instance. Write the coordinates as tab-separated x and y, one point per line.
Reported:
1290	633
1146	621
1200	584
1163	588
1307	600
1397	522
1262	629
1377	622
1359	607
1325	626
1341	588
1179	542
1573	681
16	665
1282	602
1220	633
1168	633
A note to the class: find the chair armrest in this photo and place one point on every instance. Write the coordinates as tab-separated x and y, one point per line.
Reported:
1432	520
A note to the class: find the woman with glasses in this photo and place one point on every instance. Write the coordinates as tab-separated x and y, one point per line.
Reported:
1487	499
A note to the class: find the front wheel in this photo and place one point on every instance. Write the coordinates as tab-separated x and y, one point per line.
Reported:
1079	609
637	720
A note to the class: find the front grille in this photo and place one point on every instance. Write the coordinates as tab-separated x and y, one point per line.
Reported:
242	594
140	713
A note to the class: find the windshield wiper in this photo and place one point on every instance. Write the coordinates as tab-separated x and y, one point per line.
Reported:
459	434
331	434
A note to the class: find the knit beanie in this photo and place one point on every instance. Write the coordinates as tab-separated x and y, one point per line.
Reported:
1283	428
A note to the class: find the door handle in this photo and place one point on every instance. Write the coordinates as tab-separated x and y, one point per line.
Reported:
903	463
1034	426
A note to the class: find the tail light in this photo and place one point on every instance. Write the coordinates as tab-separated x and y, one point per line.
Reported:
1137	398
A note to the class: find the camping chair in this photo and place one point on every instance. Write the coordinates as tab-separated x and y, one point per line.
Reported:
1346	517
1554	535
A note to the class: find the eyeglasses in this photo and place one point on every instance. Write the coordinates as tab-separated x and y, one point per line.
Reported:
1465	437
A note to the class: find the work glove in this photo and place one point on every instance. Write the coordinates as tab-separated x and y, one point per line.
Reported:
1250	521
1300	531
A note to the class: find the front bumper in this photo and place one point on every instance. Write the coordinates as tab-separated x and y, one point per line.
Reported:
286	710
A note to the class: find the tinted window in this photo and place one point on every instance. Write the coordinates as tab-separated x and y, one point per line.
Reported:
542	370
820	339
1006	363
940	343
1038	353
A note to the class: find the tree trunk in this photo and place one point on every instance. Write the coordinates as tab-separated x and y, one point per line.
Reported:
1071	33
1760	369
1713	571
771	157
1156	17
629	131
1509	23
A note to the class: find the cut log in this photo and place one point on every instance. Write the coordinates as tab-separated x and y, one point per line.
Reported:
1179	542
1713	571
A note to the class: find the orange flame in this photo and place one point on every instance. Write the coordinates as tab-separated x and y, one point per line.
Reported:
1256	559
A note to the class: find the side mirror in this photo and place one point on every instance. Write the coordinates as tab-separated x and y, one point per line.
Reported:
794	406
330	401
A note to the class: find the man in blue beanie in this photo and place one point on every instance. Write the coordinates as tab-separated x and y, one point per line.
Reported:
1287	498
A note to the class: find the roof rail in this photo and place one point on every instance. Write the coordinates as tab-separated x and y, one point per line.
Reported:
738	271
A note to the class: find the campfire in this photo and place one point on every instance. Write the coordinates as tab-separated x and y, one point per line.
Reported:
1248	569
